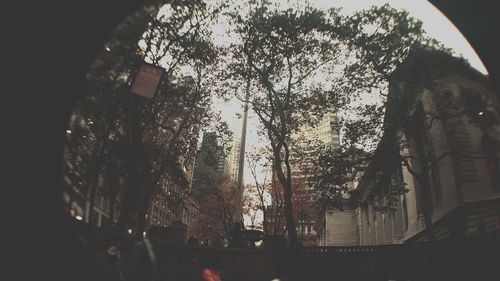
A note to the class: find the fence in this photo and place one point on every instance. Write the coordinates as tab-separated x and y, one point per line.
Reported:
471	259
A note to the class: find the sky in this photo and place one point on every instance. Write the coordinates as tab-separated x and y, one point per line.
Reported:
434	22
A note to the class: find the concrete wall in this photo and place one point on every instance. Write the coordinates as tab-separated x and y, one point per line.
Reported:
341	228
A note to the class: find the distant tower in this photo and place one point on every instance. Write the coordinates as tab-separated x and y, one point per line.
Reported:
234	154
210	159
237	239
306	221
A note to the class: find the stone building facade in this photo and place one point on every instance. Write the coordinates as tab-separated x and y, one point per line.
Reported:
450	152
455	152
340	228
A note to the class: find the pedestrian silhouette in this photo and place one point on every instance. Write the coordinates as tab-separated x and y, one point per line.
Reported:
110	265
143	263
211	267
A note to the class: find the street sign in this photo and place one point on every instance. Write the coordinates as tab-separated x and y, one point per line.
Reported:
147	80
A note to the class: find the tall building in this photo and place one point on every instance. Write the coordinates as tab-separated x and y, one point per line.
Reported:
210	160
326	130
81	143
79	156
306	215
234	154
165	209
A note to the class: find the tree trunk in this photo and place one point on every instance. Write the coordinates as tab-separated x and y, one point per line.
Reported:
132	191
92	189
131	194
286	182
114	188
145	198
420	132
426	200
96	173
290	220
141	216
112	204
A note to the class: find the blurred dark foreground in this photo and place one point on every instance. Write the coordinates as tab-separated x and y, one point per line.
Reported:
104	255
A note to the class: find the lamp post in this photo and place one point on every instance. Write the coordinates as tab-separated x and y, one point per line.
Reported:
302	228
237	239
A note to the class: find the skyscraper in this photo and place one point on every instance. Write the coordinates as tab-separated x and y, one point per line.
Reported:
234	154
303	202
211	159
323	132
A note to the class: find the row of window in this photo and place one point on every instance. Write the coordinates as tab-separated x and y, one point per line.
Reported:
305	229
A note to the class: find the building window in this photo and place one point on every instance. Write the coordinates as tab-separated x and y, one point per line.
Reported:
405	213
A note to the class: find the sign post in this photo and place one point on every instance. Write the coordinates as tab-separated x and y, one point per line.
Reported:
147	80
